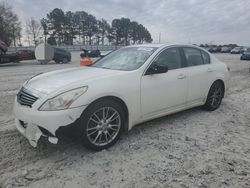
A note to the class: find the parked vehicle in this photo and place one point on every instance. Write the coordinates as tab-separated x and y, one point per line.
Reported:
61	55
236	50
225	50
210	49
9	58
94	53
6	58
243	49
217	49
214	49
131	85
3	47
25	54
245	55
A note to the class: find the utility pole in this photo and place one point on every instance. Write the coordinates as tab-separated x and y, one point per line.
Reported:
160	37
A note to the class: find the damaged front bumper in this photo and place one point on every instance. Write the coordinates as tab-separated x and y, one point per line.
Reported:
33	124
31	132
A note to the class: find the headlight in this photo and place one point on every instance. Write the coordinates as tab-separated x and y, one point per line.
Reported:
63	101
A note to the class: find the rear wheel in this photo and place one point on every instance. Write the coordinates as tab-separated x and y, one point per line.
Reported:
215	96
65	60
102	124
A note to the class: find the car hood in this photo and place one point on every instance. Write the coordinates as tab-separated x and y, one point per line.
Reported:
55	80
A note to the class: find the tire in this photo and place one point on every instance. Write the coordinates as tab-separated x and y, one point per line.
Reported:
43	62
65	60
96	132
215	96
57	61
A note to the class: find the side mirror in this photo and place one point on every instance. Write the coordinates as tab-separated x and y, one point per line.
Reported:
156	69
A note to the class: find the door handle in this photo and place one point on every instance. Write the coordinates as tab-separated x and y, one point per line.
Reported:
209	70
181	76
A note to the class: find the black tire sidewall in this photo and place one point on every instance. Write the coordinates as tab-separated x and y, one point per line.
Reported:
88	113
65	60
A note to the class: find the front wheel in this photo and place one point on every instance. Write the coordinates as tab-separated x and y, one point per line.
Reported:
102	124
215	96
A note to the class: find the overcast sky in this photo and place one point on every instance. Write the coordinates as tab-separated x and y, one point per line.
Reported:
181	21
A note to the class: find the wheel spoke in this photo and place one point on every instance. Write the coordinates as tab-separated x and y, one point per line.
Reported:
103	114
99	133
100	138
111	126
95	115
97	122
107	113
93	128
92	132
114	116
106	136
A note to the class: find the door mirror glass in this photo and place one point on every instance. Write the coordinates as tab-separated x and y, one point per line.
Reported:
156	69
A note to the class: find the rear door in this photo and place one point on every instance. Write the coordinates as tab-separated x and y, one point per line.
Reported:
200	74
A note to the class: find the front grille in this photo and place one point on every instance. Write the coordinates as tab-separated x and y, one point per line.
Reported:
24	97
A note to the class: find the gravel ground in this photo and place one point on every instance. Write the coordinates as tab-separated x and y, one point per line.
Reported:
194	148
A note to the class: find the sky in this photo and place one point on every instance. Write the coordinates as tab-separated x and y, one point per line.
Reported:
178	21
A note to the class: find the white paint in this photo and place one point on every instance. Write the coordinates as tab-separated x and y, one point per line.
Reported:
146	96
44	52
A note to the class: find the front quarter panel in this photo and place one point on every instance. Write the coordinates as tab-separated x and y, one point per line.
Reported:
125	86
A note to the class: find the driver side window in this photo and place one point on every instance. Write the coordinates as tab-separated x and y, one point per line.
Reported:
170	58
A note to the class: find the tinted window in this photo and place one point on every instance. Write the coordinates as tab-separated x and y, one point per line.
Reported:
169	57
193	56
206	57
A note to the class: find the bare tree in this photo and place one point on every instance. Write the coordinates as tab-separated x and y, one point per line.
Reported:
10	26
33	30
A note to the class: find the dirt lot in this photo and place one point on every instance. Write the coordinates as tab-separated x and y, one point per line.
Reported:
194	148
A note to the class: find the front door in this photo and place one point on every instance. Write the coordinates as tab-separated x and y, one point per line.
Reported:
165	91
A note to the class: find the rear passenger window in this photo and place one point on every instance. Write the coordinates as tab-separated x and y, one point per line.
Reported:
206	57
193	56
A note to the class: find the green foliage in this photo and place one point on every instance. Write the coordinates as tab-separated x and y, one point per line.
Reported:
66	26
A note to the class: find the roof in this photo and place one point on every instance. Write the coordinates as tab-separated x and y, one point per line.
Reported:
157	45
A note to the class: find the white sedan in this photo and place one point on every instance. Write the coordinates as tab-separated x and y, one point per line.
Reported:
129	86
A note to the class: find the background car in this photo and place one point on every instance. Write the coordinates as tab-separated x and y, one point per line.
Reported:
25	54
225	49
94	53
3	47
245	55
236	50
61	55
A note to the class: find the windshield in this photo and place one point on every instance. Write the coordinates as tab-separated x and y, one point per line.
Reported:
126	59
248	50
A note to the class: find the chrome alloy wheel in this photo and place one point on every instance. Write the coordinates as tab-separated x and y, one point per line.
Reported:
103	126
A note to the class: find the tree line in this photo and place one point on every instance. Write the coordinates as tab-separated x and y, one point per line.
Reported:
68	28
61	27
